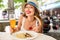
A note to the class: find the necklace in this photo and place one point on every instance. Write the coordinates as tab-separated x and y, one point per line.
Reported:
31	25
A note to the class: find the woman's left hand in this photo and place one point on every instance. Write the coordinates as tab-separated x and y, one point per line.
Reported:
36	29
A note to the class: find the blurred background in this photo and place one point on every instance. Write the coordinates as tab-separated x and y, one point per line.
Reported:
49	12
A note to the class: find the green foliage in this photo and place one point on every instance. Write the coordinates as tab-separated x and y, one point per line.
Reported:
1	6
1	0
17	6
42	3
18	1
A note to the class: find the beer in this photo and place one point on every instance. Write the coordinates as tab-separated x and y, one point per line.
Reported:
12	20
12	23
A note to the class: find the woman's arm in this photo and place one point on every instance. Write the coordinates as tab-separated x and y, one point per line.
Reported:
40	25
19	23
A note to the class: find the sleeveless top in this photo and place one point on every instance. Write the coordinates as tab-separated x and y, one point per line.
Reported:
23	21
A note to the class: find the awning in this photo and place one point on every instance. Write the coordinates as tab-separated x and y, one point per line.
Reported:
50	6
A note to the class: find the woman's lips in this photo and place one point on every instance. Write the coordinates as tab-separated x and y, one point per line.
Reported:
28	12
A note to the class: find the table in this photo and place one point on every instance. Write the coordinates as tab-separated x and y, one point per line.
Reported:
7	36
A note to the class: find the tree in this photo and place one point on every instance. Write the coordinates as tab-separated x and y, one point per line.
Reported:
18	1
15	1
0	1
1	5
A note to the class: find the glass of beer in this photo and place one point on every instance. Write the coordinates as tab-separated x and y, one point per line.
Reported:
12	21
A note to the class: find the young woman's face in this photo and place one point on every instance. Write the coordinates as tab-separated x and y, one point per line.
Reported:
29	10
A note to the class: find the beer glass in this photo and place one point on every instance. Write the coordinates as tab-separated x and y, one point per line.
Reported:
12	21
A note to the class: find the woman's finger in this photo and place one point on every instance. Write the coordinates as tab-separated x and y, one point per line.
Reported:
11	30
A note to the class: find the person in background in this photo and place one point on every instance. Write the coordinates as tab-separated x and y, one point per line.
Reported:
4	14
30	19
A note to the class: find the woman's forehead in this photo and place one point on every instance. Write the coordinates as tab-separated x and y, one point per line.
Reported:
28	5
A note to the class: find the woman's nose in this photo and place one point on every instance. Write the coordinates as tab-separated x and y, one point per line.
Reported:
28	8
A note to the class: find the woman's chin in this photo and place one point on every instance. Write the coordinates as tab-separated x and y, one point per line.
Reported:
28	15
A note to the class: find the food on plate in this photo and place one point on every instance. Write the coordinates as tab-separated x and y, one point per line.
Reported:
20	35
23	35
27	35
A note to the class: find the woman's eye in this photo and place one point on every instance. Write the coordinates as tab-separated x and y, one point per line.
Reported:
26	7
31	7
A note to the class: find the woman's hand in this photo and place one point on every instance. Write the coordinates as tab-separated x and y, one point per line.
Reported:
36	29
13	30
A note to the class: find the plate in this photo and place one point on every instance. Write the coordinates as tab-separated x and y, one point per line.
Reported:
32	33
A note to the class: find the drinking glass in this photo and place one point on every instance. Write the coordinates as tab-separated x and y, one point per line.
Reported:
12	21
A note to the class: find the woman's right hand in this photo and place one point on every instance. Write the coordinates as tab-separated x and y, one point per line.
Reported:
11	30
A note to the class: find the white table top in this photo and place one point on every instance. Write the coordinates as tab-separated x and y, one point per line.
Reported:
4	21
6	36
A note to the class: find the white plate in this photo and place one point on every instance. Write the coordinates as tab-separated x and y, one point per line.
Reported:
32	33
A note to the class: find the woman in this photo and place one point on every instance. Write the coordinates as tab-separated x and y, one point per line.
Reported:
30	19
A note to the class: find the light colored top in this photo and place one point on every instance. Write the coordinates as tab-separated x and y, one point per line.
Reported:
23	21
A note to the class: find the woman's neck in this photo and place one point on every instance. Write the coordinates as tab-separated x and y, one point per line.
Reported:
30	18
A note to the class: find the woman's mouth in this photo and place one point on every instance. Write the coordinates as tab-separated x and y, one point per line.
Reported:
28	12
